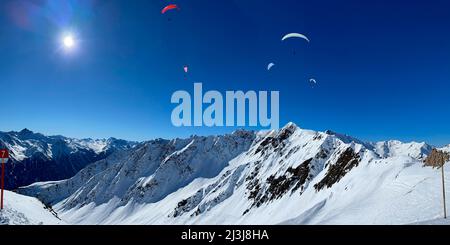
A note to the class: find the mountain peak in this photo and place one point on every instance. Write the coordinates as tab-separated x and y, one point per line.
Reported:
330	132
291	125
242	133
26	131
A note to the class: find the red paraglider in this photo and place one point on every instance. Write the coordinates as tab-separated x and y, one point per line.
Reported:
169	7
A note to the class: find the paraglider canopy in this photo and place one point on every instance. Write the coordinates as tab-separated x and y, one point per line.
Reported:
169	7
313	82
186	69
270	66
295	35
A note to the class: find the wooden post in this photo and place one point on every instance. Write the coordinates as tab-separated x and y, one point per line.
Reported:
443	186
438	159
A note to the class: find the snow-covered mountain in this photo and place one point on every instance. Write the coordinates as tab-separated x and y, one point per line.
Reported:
36	157
289	176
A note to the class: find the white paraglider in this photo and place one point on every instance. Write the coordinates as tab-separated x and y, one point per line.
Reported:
295	35
270	66
312	80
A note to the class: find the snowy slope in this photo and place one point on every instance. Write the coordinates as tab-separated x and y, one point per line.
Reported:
440	221
289	176
22	210
36	157
446	148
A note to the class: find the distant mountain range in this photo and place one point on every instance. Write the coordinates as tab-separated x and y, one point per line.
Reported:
35	157
288	176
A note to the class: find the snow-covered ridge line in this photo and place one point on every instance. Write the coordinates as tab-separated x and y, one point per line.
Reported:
25	143
291	175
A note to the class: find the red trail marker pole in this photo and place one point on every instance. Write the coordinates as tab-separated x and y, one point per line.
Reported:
3	180
4	158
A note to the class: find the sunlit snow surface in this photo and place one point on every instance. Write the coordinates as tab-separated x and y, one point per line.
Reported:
22	210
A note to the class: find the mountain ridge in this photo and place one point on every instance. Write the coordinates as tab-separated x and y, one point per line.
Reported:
291	175
35	157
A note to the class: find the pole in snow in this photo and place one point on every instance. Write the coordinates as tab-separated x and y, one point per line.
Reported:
4	156
443	186
438	159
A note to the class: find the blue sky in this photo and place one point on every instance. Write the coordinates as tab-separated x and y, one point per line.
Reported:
382	66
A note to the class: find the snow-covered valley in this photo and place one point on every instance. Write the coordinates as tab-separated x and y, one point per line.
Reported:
289	176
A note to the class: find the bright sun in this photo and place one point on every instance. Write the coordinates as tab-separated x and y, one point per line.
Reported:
68	41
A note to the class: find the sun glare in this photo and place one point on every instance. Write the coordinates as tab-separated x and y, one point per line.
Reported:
68	41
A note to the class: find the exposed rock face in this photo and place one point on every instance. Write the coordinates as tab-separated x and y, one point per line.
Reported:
277	186
346	162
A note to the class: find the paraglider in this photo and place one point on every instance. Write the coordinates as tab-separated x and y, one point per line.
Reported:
313	82
186	71
270	66
169	7
295	35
